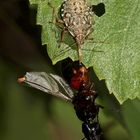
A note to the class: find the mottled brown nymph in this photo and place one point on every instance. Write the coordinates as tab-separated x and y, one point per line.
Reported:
77	16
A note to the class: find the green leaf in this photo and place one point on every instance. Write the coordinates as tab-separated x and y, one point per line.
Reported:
114	52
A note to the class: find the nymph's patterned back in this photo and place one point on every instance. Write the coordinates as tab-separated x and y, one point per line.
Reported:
77	16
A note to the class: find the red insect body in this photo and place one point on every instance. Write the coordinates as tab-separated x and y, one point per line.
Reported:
79	77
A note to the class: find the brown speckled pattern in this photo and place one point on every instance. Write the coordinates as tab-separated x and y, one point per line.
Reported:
77	17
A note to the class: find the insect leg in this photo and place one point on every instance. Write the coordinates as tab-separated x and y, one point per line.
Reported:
62	36
55	19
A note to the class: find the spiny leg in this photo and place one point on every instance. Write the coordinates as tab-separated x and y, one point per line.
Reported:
88	35
62	36
91	38
55	19
79	52
62	52
58	22
97	42
53	13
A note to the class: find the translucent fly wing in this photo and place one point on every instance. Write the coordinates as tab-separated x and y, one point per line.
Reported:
64	85
49	83
98	9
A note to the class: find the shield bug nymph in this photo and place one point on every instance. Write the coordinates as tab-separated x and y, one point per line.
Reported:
77	16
